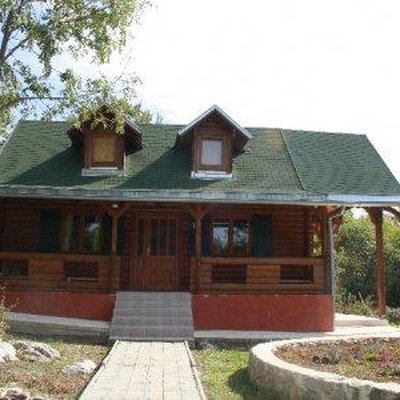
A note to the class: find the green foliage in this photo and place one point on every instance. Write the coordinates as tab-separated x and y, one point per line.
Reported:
355	260
393	315
35	33
3	310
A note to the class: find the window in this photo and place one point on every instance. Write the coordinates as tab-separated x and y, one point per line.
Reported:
230	238
163	237
14	269
296	273
104	149
220	237
81	271
211	152
82	233
228	274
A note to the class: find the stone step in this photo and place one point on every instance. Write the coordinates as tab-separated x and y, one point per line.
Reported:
150	332
150	321
354	321
152	315
153	312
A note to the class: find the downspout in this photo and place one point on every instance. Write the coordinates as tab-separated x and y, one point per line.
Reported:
331	253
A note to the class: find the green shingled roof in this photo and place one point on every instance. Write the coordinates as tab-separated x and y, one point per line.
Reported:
273	161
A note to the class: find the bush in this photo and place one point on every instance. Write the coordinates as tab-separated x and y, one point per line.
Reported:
3	310
355	262
393	315
355	304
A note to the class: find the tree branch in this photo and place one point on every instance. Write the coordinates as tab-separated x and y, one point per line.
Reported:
15	48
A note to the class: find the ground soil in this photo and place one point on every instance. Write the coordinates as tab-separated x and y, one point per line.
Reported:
372	359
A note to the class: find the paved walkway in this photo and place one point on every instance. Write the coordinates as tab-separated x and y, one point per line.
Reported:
146	371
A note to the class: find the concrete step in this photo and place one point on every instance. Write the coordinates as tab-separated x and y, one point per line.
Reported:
151	321
152	315
160	332
153	312
354	321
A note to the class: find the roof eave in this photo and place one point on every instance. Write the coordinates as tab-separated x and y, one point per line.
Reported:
303	198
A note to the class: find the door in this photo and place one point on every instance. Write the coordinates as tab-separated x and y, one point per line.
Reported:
156	256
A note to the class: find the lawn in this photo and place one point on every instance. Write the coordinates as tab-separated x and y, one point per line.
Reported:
224	374
48	378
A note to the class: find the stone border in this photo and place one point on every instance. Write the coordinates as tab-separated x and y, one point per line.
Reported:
292	382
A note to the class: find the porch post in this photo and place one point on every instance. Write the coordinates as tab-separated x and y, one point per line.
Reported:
198	252
376	215
115	213
380	263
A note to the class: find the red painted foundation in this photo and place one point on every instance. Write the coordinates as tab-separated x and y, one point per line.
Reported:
303	313
97	306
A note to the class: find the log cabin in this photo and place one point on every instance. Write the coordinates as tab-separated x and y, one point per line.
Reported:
241	219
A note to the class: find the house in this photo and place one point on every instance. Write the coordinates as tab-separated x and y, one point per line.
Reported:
240	218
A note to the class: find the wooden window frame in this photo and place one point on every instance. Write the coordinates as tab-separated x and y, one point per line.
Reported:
226	165
90	159
231	221
81	231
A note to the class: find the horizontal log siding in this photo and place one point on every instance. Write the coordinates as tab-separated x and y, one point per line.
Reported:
263	275
46	271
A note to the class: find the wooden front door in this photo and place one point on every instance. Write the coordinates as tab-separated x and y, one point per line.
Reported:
156	253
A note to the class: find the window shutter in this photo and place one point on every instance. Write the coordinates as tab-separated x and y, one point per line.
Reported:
262	236
49	231
106	226
206	236
121	236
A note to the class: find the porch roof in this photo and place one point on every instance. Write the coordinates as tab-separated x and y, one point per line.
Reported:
276	166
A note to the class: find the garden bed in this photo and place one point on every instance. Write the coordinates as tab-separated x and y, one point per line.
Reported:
376	359
49	379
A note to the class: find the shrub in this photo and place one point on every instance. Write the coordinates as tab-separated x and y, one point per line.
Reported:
3	310
393	315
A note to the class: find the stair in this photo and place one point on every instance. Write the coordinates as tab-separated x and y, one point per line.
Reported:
164	316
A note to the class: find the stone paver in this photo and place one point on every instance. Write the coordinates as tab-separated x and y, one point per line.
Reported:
146	371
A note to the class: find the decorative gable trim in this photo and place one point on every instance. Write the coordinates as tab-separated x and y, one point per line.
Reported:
213	109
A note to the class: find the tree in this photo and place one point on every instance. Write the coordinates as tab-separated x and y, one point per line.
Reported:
355	255
35	32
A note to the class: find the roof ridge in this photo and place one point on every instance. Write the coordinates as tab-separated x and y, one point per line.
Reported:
282	133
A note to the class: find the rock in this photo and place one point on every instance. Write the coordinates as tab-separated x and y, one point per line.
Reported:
7	352
17	394
82	367
36	351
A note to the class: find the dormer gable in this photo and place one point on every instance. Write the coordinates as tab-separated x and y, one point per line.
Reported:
213	137
104	149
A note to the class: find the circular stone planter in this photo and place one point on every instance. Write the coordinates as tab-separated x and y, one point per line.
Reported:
292	382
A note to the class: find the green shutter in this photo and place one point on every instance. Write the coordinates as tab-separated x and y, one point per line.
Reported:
121	235
206	244
106	226
49	231
262	236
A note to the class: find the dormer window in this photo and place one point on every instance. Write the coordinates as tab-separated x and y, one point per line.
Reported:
214	136
211	153
104	149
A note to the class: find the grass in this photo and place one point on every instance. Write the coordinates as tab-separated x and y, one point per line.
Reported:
48	378
224	374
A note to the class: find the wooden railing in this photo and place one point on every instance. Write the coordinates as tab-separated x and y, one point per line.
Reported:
258	275
48	271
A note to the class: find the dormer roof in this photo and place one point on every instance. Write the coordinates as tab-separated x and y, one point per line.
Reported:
132	133
241	134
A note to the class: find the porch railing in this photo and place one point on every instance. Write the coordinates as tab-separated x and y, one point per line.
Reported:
258	275
59	271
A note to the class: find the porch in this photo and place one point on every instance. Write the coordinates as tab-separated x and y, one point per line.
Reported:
69	258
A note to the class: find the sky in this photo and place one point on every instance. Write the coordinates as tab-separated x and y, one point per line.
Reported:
310	64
